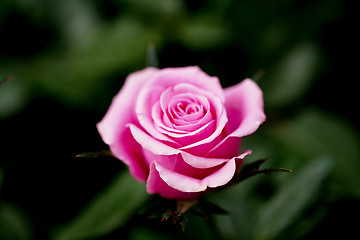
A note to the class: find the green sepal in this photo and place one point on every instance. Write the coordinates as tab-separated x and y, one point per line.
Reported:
151	58
98	154
253	169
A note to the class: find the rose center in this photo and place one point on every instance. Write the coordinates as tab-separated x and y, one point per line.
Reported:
183	109
187	108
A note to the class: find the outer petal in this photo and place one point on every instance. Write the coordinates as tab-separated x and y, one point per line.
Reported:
177	163
245	108
226	148
171	76
155	185
172	184
188	184
112	127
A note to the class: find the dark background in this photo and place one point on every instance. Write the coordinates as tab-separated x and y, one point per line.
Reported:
69	58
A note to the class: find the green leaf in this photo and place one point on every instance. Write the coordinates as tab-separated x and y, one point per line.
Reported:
143	233
14	224
337	137
79	20
293	197
156	9
291	75
108	211
204	32
14	96
313	133
78	76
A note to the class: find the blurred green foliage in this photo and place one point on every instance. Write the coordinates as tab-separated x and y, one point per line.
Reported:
110	210
75	55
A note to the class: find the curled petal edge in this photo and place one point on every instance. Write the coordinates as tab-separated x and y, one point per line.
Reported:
189	184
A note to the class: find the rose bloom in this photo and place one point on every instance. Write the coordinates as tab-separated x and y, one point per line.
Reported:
179	130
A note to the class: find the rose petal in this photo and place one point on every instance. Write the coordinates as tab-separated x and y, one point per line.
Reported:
186	94
169	77
239	159
202	162
151	144
202	134
112	127
189	184
157	116
121	110
132	155
155	184
166	79
196	136
221	176
226	148
177	164
144	105
245	107
202	147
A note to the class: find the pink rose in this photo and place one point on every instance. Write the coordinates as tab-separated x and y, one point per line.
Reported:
179	131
